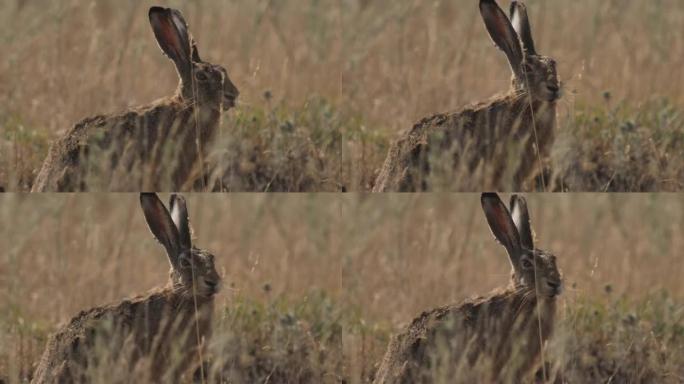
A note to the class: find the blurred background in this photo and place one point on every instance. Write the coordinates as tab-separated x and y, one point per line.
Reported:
407	254
351	270
380	66
74	251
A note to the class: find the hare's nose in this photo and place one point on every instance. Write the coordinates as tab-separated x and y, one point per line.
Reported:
555	286
211	283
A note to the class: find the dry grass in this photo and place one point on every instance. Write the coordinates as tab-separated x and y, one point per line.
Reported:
315	284
390	62
417	253
75	251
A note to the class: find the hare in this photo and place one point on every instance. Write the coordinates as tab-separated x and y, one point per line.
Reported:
156	336
486	145
151	148
498	338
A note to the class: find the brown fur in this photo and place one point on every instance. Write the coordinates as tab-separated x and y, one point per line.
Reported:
153	148
159	336
147	149
495	145
139	334
478	136
498	338
497	334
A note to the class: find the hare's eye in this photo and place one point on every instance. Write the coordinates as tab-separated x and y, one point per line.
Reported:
526	264
201	76
184	262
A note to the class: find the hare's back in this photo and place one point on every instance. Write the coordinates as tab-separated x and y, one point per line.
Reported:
407	353
452	146
407	164
66	352
57	172
101	152
145	125
126	329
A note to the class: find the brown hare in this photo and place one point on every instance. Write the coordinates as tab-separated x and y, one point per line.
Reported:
498	338
158	147
500	144
155	337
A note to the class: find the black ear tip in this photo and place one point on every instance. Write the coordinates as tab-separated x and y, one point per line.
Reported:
177	13
147	195
155	10
487	3
490	195
176	199
149	199
515	4
517	200
488	198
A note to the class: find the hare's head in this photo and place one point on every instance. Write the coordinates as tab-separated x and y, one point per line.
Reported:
533	269
532	72
204	83
192	269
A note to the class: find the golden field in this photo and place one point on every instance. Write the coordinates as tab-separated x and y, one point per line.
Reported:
327	85
314	285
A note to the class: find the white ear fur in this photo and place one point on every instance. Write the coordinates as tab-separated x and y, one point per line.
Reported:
179	215
521	24
521	219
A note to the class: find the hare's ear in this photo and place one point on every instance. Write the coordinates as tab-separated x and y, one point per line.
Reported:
502	33
195	53
179	214
172	35
521	24
161	225
502	225
521	219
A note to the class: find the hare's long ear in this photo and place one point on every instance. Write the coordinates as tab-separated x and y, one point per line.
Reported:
521	24
179	214
172	35
502	33
521	219
161	224
502	225
195	53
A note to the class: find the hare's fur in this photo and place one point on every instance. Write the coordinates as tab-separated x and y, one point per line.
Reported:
160	147
158	326
150	148
476	332
499	144
159	336
497	338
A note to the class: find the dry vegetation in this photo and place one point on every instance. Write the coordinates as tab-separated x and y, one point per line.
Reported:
372	69
315	285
